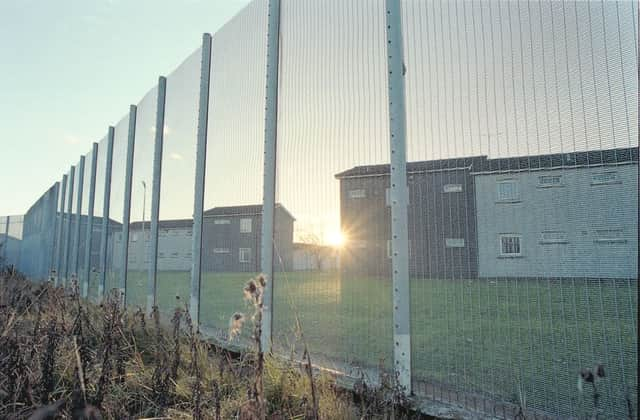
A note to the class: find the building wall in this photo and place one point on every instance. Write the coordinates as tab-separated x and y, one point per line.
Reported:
442	229
222	243
577	209
283	234
175	245
228	237
435	216
306	258
174	249
366	223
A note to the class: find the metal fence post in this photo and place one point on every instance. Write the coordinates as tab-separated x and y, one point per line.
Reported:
54	231
399	197
126	212
155	194
58	257
67	230
88	246
201	156
105	215
76	233
269	181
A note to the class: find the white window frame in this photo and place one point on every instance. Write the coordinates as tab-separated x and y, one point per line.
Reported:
221	221
542	184
357	193
242	253
614	180
454	243
221	250
608	237
558	240
511	254
243	225
452	188
389	249
514	199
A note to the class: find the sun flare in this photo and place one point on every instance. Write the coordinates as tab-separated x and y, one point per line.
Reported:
336	239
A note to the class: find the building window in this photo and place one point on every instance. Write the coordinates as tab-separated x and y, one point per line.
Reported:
356	244
604	178
361	193
134	237
245	255
189	233
245	225
546	181
454	242
508	190
174	255
553	237
452	188
221	250
510	245
389	249
610	236
160	254
222	222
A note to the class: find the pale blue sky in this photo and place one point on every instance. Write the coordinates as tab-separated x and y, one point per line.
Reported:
70	68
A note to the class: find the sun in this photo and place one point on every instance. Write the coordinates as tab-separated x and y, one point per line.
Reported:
336	239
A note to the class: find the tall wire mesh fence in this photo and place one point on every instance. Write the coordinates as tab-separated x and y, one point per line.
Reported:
522	185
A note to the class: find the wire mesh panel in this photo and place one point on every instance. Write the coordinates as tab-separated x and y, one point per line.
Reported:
35	244
48	231
332	289
66	228
29	229
233	210
116	205
74	221
55	255
175	229
3	240
83	218
141	184
522	149
98	216
14	241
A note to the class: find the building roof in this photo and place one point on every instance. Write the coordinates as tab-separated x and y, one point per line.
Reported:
248	210
482	164
164	224
414	167
560	160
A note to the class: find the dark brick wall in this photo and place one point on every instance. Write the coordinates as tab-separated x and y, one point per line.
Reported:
433	215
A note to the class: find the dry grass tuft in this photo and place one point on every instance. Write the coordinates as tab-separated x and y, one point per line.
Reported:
63	357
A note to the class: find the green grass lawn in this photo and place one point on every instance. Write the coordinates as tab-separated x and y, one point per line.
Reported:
489	337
